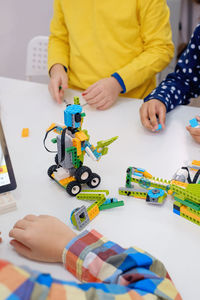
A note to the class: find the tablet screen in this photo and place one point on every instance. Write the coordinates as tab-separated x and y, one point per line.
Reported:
7	179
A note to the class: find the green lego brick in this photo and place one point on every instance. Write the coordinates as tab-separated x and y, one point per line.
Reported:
132	193
187	193
111	205
75	161
96	191
196	212
177	203
90	196
155	182
54	140
190	219
128	177
188	203
76	100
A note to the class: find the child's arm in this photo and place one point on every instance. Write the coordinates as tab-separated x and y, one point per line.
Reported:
178	88
155	34
107	269
58	54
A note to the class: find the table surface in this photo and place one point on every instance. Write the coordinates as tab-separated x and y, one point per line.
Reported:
172	239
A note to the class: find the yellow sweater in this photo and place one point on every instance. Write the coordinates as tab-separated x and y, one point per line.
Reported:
96	38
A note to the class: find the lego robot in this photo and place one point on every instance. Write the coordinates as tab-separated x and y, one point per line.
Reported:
72	144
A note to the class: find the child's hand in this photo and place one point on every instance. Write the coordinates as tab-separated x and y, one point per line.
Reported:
58	82
41	238
195	132
103	93
152	113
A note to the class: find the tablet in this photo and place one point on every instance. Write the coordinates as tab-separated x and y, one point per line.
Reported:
7	178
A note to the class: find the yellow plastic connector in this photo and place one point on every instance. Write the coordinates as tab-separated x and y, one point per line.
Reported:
81	136
25	132
196	163
93	212
77	143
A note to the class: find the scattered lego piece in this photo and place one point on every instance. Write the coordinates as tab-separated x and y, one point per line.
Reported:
25	132
80	217
194	123
7	203
159	127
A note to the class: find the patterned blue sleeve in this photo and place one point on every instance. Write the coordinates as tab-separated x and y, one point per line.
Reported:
184	82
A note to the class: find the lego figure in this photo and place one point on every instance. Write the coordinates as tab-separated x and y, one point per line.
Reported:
72	144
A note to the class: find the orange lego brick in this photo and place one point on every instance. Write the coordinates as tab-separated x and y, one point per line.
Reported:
77	143
93	212
188	213
25	132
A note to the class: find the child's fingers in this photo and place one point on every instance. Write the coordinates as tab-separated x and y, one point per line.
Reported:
30	217
55	90
193	131
64	82
20	248
92	94
21	224
144	116
19	235
95	100
162	116
153	117
89	88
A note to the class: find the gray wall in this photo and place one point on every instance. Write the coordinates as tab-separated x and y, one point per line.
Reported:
20	20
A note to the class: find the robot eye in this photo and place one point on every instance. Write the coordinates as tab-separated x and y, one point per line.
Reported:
77	117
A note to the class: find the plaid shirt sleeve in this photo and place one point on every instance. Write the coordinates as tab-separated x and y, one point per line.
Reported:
184	82
107	271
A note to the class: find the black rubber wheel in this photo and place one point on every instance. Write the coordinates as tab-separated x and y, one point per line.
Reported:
73	188
83	174
51	170
56	159
94	181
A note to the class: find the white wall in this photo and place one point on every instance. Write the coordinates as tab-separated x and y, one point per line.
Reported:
20	20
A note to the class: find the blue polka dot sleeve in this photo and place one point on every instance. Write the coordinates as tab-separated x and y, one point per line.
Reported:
184	83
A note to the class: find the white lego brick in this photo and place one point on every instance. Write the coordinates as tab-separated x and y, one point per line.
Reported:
61	174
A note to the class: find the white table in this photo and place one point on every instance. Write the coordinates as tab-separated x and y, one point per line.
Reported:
158	230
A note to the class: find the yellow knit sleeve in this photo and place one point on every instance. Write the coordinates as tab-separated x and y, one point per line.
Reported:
158	49
58	47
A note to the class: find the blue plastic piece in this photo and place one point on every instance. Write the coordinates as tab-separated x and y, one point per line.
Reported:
194	123
159	127
176	211
69	115
152	194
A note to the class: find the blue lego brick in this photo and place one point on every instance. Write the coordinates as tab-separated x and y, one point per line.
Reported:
194	123
176	211
138	174
70	111
159	127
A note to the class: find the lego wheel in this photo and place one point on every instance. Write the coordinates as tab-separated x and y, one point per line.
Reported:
51	170
94	181
56	159
73	188
83	174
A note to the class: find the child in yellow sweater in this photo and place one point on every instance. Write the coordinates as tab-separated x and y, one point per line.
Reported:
108	47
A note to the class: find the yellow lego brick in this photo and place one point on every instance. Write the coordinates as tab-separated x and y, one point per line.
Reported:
51	126
66	180
81	136
147	175
25	132
93	212
77	143
180	184
196	162
188	213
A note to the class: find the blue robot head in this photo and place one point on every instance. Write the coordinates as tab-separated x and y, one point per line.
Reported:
72	116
